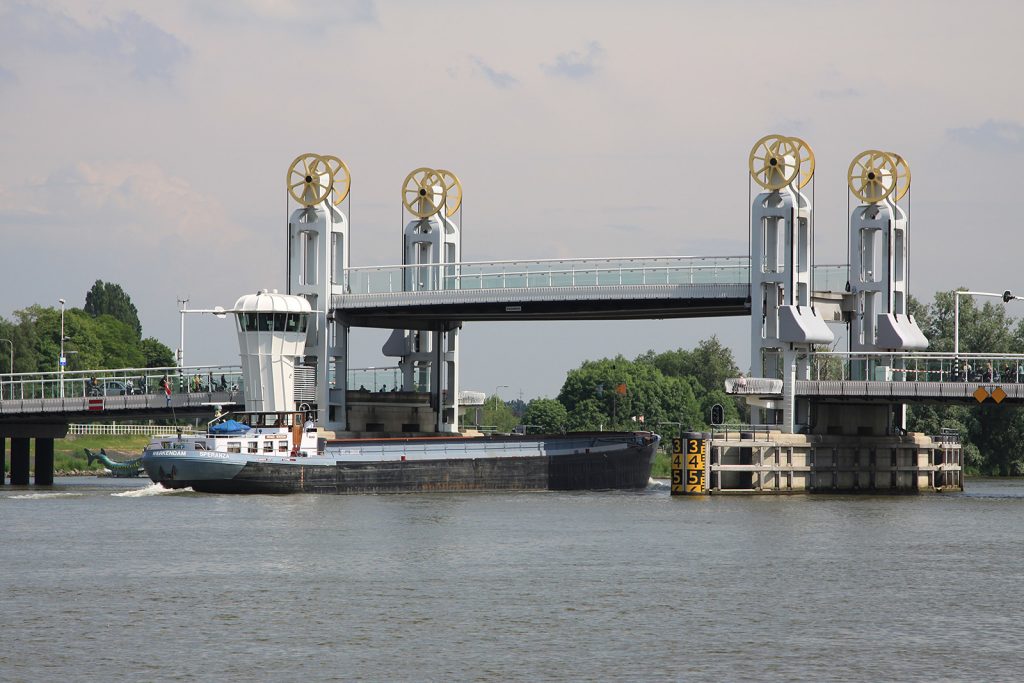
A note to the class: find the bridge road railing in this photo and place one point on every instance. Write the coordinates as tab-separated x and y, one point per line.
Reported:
123	388
548	273
900	377
988	368
138	388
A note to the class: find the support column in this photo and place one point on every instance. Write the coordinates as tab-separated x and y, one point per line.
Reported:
19	461
44	462
3	460
789	392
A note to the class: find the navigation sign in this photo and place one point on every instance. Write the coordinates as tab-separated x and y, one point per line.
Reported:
717	414
676	467
695	451
63	361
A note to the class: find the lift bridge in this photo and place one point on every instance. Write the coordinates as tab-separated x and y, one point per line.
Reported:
427	298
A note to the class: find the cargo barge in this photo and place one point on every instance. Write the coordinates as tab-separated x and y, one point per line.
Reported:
234	456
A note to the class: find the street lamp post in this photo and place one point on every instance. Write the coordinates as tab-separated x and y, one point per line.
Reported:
181	344
1006	296
62	361
500	386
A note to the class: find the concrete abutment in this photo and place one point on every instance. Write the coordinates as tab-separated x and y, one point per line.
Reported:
855	448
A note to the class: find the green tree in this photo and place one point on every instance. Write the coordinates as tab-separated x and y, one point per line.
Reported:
706	367
91	342
496	413
614	393
156	354
107	298
548	415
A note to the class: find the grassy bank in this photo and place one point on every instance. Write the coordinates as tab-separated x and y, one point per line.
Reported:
69	453
660	468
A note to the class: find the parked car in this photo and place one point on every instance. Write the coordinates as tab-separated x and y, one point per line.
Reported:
110	387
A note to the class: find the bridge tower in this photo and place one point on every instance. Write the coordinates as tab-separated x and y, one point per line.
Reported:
784	326
431	246
879	257
318	259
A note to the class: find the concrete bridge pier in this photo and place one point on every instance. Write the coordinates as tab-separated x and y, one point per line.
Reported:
3	460
19	461
44	461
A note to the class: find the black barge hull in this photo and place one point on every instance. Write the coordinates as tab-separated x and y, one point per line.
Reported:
626	467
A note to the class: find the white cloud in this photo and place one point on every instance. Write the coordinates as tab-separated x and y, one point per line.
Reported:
314	15
577	65
126	39
499	79
1006	136
137	203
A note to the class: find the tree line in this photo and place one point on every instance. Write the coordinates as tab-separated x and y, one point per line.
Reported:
664	392
104	333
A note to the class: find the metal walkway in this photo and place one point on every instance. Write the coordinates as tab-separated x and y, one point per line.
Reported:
555	289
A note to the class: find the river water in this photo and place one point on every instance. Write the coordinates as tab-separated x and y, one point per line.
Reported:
113	579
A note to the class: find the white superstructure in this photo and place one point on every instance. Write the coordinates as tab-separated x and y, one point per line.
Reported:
272	331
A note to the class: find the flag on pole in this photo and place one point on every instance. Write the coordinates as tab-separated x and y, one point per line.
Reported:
620	390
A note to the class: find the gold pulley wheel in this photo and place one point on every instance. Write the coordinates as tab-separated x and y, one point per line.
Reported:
420	192
805	162
453	190
342	178
768	166
306	182
872	176
902	177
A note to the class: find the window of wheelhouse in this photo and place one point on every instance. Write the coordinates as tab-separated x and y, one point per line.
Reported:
247	321
296	322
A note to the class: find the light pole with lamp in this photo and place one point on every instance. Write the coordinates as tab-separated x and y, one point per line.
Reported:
1006	296
183	303
500	386
62	361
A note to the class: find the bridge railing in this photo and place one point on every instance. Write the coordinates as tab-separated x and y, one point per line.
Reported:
831	277
591	272
546	273
1006	368
119	382
374	379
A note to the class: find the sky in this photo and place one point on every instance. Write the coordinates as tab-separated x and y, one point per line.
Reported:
147	143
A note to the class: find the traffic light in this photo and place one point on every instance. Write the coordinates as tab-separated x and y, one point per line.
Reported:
1008	297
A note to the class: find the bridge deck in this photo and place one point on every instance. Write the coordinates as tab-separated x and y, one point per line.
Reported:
554	289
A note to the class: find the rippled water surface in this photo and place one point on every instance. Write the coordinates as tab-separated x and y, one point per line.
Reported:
112	579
